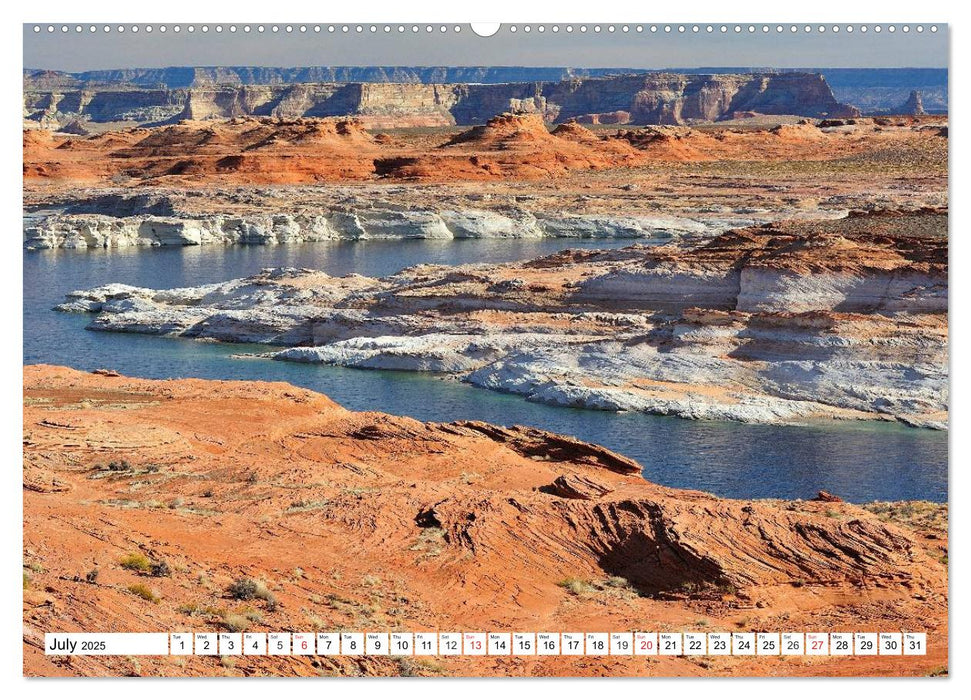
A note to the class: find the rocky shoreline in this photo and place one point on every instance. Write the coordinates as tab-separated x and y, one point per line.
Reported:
270	181
372	521
82	231
775	324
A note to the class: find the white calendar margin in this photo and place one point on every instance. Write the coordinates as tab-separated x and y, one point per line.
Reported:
549	11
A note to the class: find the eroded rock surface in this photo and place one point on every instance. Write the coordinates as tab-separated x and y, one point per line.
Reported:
274	181
780	323
369	521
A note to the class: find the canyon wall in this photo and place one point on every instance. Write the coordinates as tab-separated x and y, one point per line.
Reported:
874	90
647	98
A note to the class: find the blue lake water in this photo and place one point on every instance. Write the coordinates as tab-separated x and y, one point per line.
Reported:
858	461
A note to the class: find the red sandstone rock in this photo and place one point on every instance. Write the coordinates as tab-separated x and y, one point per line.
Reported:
368	521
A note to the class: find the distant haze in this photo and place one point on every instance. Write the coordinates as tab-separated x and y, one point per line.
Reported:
74	51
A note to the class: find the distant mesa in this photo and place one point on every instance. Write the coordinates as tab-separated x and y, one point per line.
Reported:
386	100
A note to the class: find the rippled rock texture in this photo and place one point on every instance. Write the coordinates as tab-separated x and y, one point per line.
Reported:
367	521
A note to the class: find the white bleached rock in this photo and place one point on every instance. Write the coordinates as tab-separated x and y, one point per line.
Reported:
89	230
775	290
696	330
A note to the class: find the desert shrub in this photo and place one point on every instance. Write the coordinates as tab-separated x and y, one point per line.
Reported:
144	592
302	506
575	585
235	622
264	593
91	576
190	609
249	589
251	614
243	589
119	466
727	588
136	562
408	667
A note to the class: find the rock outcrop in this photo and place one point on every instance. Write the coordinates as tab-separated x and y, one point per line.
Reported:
75	128
781	323
365	521
914	105
647	98
874	90
579	487
241	151
80	231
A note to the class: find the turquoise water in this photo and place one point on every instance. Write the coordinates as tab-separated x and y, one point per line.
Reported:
858	461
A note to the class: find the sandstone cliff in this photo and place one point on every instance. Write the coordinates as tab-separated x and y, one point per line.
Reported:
873	90
647	98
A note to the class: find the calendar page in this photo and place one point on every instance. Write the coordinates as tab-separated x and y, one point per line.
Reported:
441	350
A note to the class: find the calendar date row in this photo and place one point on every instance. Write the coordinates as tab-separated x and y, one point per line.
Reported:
489	643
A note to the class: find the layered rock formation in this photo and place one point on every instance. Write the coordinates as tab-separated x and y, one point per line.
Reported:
651	98
508	148
840	319
101	231
873	90
198	76
364	521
